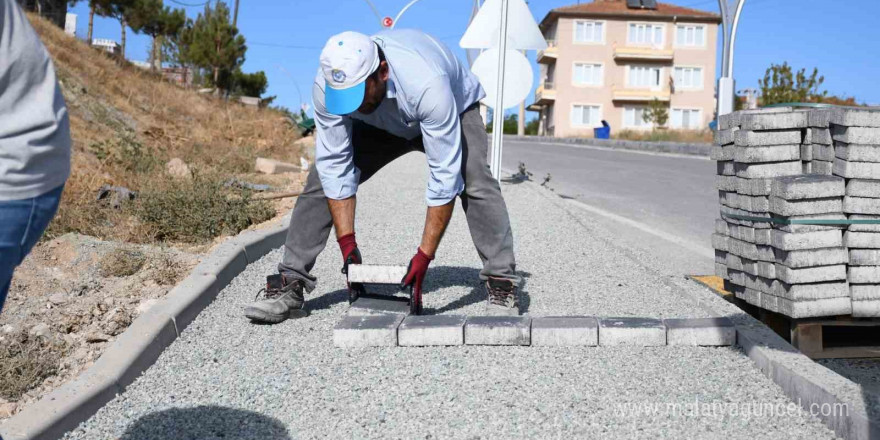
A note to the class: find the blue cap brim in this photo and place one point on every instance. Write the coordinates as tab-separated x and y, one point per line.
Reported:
344	101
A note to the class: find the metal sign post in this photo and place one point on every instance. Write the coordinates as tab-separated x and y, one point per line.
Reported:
730	11
498	110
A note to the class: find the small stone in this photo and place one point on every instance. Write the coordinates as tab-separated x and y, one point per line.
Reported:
58	299
96	337
271	166
176	167
40	330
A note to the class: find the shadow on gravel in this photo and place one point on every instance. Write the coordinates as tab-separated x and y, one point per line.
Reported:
206	422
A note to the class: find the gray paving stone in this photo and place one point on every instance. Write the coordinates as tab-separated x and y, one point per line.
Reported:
725	210
812	291
734	262
856	170
865	292
761	284
728	198
821	136
700	332
855	117
754	187
864	227
767	170
806	152
861	205
769	302
373	273
856	135
371	306
861	240
721	227
367	331
431	330
498	330
812	257
789	241
737	277
752	297
863	188
752	203
766	269
721	271
724	137
780	120
720	242
799	228
728	121
819	117
814	309
823	152
749	138
726	183
773	153
722	153
806	275
642	332
765	253
807	187
805	207
749	234
806	165
857	152
565	331
741	248
866	309
864	275
721	257
821	167
725	168
864	257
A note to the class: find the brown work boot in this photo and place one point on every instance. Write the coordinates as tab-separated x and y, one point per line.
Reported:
282	299
503	299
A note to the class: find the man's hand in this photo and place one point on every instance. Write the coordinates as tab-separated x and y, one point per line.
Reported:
415	275
351	255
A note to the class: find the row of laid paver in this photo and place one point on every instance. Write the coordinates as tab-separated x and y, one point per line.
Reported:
384	330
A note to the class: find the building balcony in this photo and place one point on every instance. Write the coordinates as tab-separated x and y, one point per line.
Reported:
642	54
639	95
548	55
545	94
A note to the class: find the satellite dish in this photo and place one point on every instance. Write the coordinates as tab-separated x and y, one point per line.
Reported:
523	32
517	76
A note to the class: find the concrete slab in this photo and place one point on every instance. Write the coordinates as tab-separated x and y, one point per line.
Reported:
864	227
379	305
861	205
807	187
767	170
819	117
823	152
367	331
700	331
774	121
864	275
721	271
642	332
805	207
376	274
856	170
721	227
855	117
761	284
814	309
728	121
821	167
812	257
806	165
857	152
805	275
431	330
750	138
752	203
861	240
769	302
821	136
864	292
863	188
726	168
725	137
565	331
498	330
734	262
866	309
806	152
728	198
855	135
864	257
726	183
754	187
752	297
800	228
789	241
737	277
721	257
720	242
722	153
811	292
773	153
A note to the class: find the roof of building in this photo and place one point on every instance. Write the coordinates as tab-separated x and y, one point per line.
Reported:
618	8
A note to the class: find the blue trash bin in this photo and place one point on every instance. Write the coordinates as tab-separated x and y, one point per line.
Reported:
603	132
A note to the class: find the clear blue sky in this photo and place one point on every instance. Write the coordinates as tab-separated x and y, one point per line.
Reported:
285	37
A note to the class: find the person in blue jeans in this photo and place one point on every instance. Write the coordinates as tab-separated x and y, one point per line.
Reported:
34	141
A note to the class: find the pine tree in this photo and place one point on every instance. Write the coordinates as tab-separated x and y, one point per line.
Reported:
216	44
118	9
158	21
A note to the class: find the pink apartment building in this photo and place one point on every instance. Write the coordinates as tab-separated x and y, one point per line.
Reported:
608	59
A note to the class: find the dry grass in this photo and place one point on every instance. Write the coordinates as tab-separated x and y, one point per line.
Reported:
127	123
687	136
166	270
25	362
121	263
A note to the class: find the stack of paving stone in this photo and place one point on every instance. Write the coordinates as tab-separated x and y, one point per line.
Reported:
811	262
817	151
856	136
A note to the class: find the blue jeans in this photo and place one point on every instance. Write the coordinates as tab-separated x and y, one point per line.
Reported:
22	222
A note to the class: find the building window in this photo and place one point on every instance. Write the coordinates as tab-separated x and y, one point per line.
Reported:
634	117
586	115
645	34
644	76
689	77
586	74
690	35
686	118
589	31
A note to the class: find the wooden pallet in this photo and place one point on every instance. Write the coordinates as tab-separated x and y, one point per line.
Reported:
843	337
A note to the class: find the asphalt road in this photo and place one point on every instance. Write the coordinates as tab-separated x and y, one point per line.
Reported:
665	203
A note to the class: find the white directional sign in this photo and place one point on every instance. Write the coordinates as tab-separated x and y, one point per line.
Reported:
523	32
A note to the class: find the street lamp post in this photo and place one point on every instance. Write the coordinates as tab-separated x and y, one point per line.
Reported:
730	12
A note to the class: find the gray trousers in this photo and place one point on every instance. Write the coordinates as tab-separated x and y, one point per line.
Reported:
481	200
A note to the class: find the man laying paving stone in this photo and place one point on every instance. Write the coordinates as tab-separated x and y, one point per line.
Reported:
376	99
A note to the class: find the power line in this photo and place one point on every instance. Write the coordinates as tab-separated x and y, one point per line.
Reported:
189	4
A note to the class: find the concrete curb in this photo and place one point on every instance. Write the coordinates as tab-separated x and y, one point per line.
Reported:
140	345
692	149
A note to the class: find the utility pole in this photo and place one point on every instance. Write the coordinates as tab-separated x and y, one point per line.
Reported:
235	15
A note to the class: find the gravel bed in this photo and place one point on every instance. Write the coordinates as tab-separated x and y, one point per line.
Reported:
227	378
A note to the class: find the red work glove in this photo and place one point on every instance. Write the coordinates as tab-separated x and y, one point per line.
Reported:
415	275
350	255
